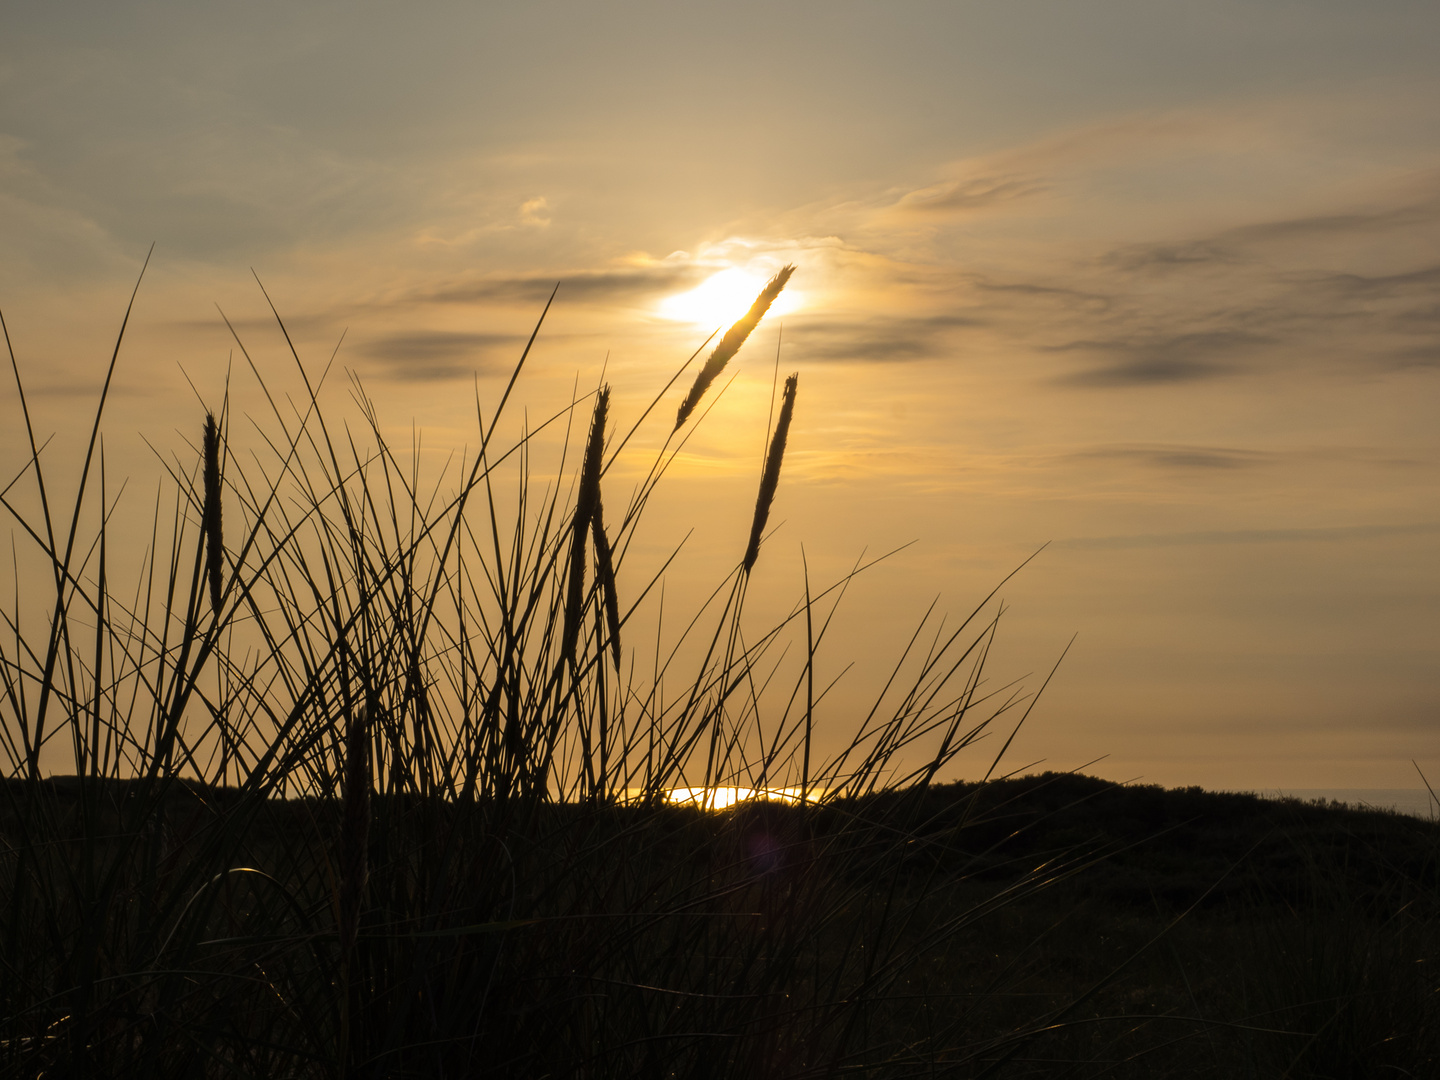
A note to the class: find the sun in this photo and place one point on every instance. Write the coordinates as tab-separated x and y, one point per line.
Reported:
722	298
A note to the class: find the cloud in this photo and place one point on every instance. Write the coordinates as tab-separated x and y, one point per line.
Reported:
1156	361
1426	356
584	287
437	355
1330	535
1241	243
974	193
877	340
1351	223
1165	456
1347	291
1185	254
535	212
1424	281
1064	297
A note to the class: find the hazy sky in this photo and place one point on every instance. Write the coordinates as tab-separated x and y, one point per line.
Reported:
1156	282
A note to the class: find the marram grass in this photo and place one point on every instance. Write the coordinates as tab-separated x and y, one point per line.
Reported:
398	804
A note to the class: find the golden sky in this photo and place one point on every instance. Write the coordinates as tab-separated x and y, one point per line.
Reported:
1155	283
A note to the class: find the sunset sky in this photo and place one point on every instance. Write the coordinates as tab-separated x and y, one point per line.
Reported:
1157	283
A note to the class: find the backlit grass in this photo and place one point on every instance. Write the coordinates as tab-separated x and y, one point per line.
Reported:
363	777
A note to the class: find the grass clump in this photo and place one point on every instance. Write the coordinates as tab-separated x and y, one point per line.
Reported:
361	785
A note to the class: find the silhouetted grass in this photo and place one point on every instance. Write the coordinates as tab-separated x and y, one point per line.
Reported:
364	787
361	785
730	344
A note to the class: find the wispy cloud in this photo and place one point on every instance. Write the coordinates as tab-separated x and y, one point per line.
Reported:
1148	361
1258	241
438	355
1362	222
599	286
1052	295
878	340
1167	255
968	194
535	211
1330	535
1423	281
1427	356
1169	456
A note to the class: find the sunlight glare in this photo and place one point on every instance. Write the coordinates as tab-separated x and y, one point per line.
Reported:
722	298
721	798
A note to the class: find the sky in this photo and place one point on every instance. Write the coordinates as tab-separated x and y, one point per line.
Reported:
1153	284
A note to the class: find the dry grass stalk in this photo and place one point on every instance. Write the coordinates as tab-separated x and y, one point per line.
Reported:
771	480
355	826
606	572
731	342
214	542
587	503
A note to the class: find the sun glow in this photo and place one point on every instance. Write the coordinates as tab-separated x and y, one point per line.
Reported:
722	798
719	798
722	298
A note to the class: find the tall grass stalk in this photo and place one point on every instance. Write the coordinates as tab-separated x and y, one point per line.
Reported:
397	805
214	533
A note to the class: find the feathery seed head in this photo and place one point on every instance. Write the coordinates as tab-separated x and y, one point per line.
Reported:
771	480
587	503
731	342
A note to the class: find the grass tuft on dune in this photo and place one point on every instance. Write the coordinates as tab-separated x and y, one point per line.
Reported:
366	785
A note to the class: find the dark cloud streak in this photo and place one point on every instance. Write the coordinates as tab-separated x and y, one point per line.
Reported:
1178	457
586	287
439	355
1425	280
1180	358
1333	534
877	340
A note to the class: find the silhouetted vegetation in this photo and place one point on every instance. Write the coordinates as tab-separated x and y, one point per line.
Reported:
364	786
1239	936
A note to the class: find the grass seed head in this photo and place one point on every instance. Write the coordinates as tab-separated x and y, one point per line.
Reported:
771	480
731	342
587	502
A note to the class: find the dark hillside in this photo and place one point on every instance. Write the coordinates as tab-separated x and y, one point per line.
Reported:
1148	845
1052	922
1131	845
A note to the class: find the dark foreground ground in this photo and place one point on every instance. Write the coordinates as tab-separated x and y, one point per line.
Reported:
1046	926
1211	935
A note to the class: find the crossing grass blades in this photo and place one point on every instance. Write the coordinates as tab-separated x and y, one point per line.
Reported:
356	778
